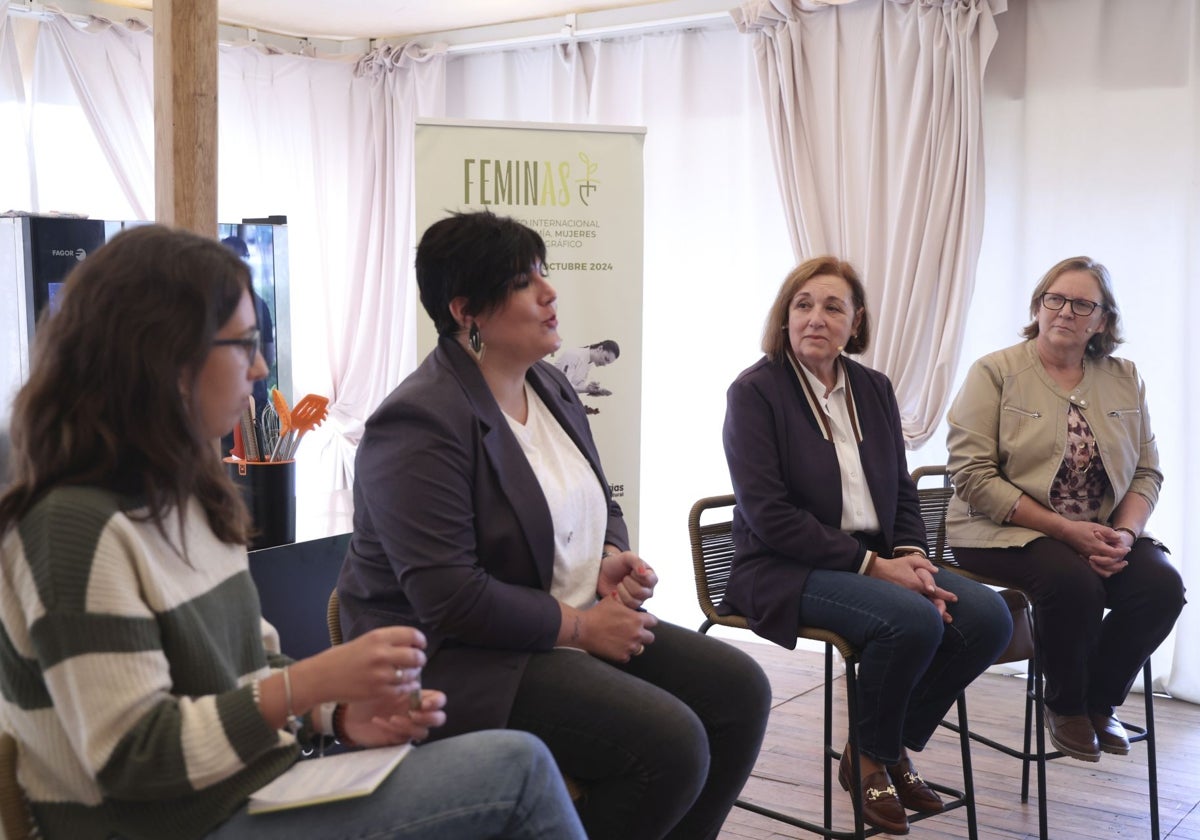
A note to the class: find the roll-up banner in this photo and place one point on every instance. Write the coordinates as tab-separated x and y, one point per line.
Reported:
580	187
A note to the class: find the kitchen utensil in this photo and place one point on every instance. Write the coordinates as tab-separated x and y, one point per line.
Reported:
249	438
307	414
268	425
280	404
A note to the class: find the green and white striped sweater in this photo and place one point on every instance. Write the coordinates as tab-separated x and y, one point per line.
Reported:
127	671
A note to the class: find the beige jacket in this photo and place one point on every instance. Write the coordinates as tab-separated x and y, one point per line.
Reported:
1008	435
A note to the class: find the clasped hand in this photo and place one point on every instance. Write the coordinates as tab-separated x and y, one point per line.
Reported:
616	628
1103	548
916	573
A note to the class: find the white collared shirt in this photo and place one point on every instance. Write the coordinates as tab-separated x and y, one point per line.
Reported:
858	508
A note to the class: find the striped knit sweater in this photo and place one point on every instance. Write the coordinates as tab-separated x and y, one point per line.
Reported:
127	671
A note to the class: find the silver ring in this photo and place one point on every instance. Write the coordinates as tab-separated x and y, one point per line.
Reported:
399	675
640	650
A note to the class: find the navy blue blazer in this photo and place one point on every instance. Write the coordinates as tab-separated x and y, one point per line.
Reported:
787	484
452	533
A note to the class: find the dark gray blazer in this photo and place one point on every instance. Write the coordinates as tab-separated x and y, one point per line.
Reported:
787	483
452	533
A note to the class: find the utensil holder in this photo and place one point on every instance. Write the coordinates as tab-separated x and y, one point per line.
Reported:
269	490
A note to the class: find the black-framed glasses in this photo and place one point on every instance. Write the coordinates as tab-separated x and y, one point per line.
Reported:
1080	306
251	342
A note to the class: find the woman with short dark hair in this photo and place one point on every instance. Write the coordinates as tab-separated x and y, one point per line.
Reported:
482	517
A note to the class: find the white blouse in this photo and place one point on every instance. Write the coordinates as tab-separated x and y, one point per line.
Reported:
577	504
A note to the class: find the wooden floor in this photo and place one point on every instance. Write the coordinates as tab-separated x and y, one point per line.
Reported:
1086	801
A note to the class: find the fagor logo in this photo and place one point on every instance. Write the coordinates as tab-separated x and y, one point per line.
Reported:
78	253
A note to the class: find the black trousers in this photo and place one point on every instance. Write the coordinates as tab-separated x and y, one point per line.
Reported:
661	745
1090	659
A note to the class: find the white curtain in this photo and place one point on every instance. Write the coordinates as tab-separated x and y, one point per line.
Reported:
716	245
14	185
112	79
376	345
82	108
328	144
324	142
875	117
1092	118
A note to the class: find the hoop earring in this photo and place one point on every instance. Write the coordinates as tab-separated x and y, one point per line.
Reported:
475	341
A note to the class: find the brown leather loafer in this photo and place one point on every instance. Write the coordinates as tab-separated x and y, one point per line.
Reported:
912	790
1073	735
1110	733
880	806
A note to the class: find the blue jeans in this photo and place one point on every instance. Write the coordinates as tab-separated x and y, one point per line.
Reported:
913	666
483	785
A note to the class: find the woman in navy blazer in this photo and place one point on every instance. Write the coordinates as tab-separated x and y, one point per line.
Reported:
827	533
482	516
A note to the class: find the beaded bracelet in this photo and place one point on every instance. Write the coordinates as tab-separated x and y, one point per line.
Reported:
339	726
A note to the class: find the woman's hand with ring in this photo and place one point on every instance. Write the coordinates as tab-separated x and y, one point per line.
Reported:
384	662
613	631
384	722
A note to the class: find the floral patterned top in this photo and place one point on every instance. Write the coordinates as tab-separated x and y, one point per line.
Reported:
1081	482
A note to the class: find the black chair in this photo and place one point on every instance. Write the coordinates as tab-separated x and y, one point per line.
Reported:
934	500
712	558
293	582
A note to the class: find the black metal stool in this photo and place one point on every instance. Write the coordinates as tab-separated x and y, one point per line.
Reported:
712	557
934	501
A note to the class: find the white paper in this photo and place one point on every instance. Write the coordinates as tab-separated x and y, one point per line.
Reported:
328	779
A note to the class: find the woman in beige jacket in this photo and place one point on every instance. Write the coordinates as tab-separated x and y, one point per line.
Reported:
1056	472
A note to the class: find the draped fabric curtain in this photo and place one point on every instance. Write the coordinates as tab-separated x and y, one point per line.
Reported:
1092	112
874	112
14	185
325	142
377	347
328	143
112	78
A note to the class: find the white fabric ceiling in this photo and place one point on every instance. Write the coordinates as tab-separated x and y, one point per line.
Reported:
351	19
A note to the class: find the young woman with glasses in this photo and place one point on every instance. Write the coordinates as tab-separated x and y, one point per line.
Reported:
146	694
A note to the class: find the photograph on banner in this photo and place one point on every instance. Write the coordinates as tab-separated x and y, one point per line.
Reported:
580	187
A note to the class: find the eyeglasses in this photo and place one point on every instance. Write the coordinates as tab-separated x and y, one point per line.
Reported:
1080	306
251	342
